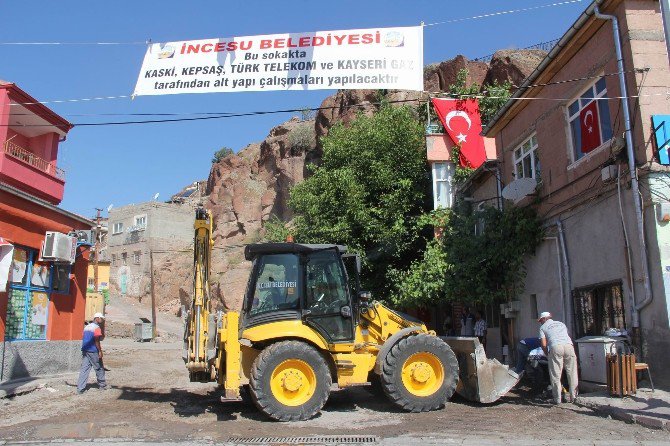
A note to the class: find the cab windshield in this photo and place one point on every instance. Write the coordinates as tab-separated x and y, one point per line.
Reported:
277	284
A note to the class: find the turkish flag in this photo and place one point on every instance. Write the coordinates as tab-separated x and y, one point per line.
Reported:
463	123
590	127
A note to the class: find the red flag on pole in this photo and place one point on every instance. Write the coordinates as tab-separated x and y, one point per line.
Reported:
590	127
463	123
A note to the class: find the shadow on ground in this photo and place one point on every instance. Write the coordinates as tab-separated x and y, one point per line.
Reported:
190	404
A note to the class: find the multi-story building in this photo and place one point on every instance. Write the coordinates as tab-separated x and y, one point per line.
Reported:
137	230
590	148
42	301
99	258
439	147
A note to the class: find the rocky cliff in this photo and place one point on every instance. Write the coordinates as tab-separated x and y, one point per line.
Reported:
246	188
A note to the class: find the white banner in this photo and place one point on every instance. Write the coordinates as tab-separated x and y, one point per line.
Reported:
377	58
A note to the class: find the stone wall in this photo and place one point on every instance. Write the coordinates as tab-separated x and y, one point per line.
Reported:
38	358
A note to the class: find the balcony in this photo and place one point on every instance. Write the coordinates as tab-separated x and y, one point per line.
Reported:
18	152
23	169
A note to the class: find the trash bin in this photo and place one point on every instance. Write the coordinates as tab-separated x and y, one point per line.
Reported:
143	330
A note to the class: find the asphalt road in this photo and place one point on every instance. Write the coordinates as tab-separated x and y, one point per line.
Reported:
152	401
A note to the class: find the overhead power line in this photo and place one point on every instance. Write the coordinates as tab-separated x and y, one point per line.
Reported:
218	114
462	19
437	93
499	13
297	110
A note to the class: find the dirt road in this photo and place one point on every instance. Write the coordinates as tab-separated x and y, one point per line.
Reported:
151	399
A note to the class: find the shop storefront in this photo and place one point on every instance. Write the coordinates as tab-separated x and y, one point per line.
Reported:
42	303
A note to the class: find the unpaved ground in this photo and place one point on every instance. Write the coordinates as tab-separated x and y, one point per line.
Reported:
151	399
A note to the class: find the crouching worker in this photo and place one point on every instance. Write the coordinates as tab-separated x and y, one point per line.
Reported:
523	349
91	353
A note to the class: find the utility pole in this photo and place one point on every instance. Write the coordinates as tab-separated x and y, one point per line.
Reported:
153	296
98	231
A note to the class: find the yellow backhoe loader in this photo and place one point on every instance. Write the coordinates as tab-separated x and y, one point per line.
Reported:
305	325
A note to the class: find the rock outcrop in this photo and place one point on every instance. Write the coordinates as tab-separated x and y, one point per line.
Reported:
438	77
245	189
513	66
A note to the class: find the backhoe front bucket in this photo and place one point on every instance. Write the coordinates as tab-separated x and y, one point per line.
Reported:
482	380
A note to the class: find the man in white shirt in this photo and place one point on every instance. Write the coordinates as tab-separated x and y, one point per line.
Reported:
480	328
558	347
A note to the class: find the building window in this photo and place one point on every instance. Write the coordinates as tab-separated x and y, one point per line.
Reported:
91	282
599	308
442	177
136	257
28	296
113	259
527	160
589	120
140	222
117	228
124	258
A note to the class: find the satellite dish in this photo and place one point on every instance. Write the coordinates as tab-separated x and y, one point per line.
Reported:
520	188
109	208
156	195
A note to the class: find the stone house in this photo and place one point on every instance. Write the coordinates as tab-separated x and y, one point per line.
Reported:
138	231
605	260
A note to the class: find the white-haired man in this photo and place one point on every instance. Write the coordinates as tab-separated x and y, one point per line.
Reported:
91	353
558	347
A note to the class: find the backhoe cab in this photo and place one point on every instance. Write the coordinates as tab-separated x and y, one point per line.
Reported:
305	325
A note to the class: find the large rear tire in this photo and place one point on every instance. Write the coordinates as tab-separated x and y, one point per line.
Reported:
420	373
290	381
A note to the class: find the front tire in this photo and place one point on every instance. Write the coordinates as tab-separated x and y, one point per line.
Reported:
290	381
420	373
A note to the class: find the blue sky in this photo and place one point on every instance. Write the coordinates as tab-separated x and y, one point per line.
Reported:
128	164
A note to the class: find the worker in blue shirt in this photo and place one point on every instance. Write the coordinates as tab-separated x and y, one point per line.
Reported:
523	349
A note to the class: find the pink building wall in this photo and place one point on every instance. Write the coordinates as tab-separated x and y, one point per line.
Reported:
41	182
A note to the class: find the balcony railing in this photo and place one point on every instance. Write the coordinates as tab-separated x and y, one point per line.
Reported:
18	152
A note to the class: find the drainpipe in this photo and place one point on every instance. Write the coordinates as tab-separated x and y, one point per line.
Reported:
498	175
568	276
635	188
561	279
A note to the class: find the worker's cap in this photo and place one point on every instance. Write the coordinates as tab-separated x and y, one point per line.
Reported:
100	315
544	314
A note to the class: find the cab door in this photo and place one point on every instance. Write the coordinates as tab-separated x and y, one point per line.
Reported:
327	305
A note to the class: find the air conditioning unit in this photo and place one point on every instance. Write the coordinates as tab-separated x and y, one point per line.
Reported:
59	247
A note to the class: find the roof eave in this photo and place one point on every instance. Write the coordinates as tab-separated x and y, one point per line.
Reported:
23	98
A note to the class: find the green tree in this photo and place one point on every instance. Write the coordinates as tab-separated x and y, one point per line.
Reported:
368	193
302	137
480	257
276	230
221	153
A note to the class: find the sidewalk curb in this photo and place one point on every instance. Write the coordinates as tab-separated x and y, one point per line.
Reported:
624	415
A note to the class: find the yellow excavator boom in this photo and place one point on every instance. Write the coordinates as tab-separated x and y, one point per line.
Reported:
200	330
